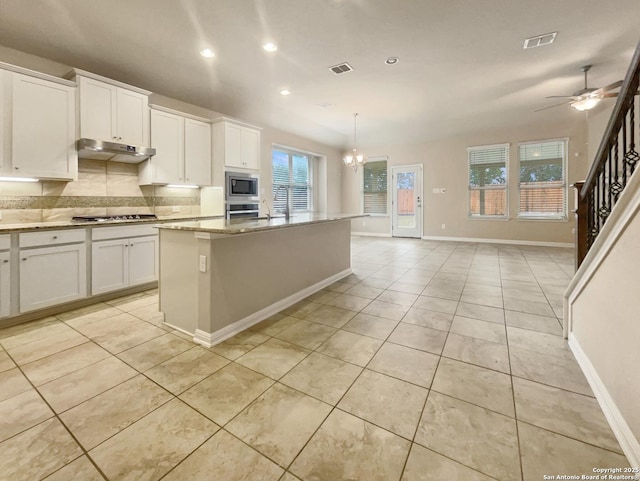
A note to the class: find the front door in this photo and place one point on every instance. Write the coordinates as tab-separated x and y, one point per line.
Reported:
407	201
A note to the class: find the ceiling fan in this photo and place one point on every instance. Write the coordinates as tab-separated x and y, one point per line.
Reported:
587	98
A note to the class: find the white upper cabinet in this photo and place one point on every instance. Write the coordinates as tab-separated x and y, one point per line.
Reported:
132	118
112	112
183	150
167	137
197	152
236	145
37	126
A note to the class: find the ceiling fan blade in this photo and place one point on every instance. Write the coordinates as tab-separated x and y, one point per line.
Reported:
615	94
612	86
551	106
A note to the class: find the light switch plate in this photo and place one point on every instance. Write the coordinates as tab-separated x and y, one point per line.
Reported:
203	264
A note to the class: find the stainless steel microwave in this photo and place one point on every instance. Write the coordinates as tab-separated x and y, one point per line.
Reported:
241	186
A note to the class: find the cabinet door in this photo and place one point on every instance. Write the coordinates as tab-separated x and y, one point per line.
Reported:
132	117
97	110
43	134
52	275
5	120
250	149
109	265
233	146
197	152
5	284
167	137
143	260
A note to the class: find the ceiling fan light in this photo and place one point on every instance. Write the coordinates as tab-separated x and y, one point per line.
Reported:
586	104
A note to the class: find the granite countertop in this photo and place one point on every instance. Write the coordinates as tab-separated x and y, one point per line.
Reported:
68	224
245	226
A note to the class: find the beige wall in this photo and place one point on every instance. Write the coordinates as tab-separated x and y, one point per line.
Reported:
596	125
445	165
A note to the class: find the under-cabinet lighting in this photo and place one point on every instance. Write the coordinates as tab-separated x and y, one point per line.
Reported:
182	186
18	179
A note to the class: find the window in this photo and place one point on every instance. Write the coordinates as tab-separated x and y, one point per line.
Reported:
374	186
543	186
292	173
488	180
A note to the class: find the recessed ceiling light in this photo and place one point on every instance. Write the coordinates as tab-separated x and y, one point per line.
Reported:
392	60
285	92
207	52
270	47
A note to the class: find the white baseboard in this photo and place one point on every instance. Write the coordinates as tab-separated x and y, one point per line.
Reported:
628	442
210	339
499	241
371	234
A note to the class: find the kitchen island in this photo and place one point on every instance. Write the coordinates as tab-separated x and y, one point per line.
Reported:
219	277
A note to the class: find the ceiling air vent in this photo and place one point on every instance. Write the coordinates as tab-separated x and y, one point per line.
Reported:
540	40
341	68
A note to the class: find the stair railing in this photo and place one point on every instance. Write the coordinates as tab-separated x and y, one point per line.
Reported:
613	165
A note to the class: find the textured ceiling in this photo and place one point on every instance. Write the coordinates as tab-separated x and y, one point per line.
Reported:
462	68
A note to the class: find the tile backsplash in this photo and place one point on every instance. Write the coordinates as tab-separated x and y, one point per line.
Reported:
102	188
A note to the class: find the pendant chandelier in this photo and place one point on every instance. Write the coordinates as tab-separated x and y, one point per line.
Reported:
355	159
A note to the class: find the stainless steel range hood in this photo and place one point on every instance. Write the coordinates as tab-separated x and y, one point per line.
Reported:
99	150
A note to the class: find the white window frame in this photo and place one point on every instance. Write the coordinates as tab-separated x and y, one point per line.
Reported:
564	217
382	158
505	216
312	158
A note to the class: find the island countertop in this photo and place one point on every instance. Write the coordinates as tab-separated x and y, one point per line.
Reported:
248	225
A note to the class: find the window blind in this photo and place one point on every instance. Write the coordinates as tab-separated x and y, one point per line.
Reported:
488	180
542	182
292	172
374	187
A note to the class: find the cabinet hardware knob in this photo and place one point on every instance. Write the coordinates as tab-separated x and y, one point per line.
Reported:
55	237
24	258
17	168
5	261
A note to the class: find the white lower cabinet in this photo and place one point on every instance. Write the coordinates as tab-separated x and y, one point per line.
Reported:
109	265
124	262
52	275
143	264
5	284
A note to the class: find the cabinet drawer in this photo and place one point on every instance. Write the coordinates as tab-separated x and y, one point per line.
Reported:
51	237
5	242
120	231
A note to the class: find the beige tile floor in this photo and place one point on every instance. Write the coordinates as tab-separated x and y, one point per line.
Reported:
433	361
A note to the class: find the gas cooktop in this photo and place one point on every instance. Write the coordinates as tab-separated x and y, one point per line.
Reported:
113	218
